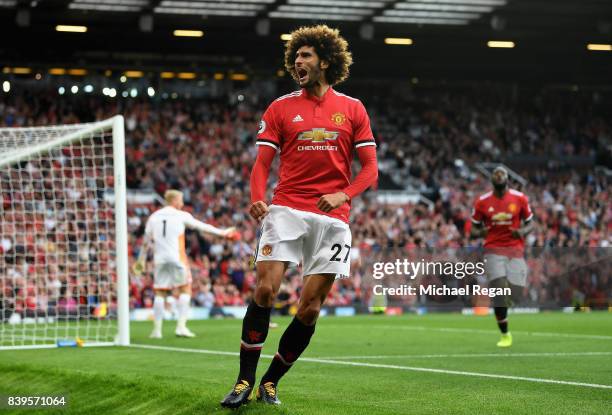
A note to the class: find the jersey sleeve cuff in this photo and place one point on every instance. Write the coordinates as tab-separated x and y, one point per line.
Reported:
265	142
365	142
477	222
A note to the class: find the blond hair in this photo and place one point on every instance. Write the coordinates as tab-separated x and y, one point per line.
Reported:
171	195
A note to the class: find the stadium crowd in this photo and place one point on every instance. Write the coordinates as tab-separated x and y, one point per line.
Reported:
428	141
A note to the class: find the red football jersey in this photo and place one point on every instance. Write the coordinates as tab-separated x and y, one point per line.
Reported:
500	216
316	138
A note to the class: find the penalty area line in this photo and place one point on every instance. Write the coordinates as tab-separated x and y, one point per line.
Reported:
382	366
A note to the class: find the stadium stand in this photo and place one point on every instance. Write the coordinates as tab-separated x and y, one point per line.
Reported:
429	140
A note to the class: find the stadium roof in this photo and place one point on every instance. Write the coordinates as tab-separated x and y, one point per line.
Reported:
448	37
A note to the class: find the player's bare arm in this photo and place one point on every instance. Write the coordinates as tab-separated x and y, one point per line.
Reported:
524	230
478	231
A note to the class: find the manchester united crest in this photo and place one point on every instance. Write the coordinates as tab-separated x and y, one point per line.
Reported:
266	250
338	118
512	208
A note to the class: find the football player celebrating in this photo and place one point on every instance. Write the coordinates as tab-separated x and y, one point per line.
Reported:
503	217
316	130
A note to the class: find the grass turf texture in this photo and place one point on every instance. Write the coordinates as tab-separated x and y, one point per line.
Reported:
143	381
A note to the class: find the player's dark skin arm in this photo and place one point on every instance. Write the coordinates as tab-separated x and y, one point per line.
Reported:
478	231
523	231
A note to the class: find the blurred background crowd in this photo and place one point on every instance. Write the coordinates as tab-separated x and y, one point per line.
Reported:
430	142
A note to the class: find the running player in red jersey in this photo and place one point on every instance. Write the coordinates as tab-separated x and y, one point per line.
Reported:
316	130
503	217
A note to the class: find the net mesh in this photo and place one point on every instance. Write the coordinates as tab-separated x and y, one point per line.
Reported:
57	238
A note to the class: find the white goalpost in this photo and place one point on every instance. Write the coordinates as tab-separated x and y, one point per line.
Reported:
63	236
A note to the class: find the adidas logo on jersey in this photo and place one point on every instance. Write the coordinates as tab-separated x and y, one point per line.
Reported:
298	118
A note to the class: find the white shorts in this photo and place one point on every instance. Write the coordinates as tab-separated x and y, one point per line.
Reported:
320	243
170	275
498	266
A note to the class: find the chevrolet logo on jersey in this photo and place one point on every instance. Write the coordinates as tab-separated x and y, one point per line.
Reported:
318	135
502	218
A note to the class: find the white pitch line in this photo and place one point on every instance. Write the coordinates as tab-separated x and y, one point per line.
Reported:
481	331
435	356
381	366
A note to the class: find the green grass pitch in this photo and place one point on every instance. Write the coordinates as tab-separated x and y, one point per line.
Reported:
354	365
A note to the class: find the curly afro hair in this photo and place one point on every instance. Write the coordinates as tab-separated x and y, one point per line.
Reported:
329	46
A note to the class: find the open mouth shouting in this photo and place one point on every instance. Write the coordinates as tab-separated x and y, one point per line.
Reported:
302	75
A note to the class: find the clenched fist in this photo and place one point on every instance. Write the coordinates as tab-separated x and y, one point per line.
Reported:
258	210
327	203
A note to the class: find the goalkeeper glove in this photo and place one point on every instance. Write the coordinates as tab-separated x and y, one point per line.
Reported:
232	234
138	268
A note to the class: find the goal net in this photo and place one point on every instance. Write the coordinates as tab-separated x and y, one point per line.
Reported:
63	236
